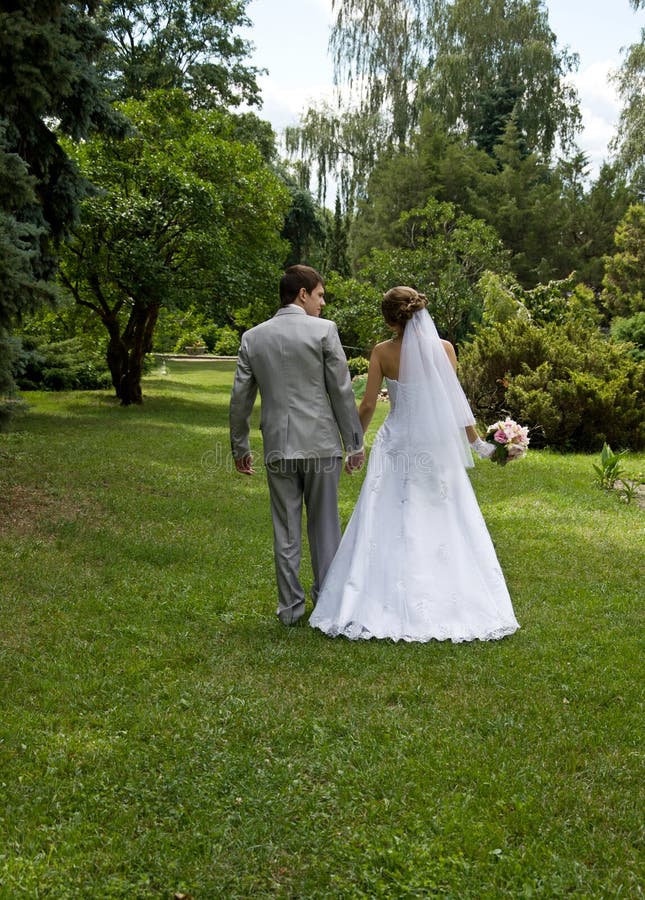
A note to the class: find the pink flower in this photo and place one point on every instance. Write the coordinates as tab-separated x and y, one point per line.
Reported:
511	439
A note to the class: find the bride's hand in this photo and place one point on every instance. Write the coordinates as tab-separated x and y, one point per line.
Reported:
355	462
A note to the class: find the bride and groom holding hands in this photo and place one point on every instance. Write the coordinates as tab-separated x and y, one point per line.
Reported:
416	561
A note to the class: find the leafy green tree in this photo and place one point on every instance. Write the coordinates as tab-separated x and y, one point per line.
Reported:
185	215
303	227
623	291
187	44
443	253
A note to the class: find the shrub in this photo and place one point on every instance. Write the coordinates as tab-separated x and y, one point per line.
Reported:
227	341
60	366
572	387
631	331
358	365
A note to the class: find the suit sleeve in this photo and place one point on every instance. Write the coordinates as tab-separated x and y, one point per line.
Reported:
341	395
243	397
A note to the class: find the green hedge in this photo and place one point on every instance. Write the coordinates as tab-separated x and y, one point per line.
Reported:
572	386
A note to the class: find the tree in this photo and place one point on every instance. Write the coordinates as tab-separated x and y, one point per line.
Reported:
628	141
624	281
591	216
497	60
338	256
345	144
379	50
476	63
443	253
522	200
303	226
48	88
184	215
187	44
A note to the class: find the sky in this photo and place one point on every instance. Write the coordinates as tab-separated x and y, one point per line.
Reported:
291	41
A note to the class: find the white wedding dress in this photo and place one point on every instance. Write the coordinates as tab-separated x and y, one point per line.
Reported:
416	561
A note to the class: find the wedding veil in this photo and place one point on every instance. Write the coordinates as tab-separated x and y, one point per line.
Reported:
438	406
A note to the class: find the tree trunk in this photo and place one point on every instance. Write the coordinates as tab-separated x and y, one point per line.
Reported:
117	355
138	339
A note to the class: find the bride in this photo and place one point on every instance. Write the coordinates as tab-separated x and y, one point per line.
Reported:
416	561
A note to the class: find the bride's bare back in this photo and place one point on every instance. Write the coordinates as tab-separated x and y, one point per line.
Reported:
384	363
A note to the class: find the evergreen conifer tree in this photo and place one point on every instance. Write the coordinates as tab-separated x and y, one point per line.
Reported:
48	87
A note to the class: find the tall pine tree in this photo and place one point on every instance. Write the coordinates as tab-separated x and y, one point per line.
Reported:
48	87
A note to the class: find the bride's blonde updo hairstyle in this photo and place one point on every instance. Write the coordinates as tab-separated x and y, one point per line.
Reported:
400	303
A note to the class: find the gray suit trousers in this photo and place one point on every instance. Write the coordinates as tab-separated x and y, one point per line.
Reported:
291	481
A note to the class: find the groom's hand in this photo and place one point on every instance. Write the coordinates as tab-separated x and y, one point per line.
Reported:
244	465
355	462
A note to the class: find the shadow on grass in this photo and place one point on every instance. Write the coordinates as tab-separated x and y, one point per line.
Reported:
158	412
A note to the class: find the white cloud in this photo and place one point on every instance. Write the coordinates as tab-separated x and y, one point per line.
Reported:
600	107
283	103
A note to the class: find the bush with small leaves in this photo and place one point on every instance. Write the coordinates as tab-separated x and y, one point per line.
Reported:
631	331
358	365
574	388
67	365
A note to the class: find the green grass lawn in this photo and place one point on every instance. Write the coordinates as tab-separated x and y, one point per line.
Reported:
162	733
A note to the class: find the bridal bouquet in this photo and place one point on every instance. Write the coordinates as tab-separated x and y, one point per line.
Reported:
511	440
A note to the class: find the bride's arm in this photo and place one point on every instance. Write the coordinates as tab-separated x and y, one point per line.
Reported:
471	431
374	382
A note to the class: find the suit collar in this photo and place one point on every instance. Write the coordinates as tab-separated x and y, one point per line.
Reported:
291	310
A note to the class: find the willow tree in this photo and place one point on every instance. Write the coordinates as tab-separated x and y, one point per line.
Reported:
498	59
379	49
629	141
476	63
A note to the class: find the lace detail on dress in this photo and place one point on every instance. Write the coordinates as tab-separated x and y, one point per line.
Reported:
355	631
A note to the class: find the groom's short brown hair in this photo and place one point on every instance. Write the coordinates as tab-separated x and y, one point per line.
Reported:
295	278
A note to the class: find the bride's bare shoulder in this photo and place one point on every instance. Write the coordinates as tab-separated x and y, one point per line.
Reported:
450	351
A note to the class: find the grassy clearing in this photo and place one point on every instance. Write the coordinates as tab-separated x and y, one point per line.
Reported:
161	732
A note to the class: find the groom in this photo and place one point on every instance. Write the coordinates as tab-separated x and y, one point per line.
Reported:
297	361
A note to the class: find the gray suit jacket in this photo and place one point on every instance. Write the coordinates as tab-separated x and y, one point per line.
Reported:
308	405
